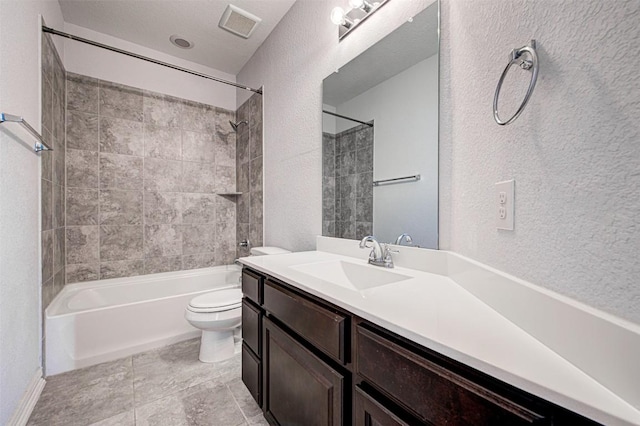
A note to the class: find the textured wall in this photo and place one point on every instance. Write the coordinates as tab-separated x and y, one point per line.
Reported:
143	170
20	273
249	175
291	64
574	153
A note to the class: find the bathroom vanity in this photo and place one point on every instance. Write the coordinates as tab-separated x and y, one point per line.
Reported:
308	360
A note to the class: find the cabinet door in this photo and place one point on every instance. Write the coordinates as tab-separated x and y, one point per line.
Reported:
251	326
251	373
299	388
369	412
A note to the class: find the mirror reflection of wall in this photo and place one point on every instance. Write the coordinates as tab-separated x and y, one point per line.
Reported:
394	86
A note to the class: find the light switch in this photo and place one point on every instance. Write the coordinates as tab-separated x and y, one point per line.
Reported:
504	204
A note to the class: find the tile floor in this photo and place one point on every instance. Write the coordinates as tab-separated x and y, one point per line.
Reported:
166	386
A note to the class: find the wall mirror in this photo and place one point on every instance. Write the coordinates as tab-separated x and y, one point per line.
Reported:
380	138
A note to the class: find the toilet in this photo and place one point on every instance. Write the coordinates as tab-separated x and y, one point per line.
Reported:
219	314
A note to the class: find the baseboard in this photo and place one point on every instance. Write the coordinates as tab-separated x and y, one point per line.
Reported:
28	401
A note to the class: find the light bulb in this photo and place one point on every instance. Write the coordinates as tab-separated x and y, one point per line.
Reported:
356	4
337	16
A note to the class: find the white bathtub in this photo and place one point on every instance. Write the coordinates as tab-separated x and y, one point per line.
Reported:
97	321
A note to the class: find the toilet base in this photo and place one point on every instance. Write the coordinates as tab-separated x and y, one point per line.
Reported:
216	346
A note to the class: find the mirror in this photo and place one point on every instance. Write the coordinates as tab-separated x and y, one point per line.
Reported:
380	139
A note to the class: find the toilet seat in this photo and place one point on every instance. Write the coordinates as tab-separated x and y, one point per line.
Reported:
216	301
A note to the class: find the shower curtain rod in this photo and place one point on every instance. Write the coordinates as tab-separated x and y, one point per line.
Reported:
347	118
145	58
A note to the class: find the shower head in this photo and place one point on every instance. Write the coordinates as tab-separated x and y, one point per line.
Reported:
237	124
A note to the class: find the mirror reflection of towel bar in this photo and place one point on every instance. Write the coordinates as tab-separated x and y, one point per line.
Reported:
40	145
412	178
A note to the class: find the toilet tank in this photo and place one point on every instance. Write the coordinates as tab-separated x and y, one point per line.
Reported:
263	251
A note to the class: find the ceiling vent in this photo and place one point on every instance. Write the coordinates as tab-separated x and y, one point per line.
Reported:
238	21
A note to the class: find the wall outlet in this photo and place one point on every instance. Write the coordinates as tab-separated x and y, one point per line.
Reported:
505	206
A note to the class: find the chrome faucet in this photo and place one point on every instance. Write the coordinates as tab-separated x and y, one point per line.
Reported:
378	256
406	237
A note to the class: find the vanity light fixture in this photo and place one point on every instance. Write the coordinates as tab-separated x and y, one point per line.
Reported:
358	12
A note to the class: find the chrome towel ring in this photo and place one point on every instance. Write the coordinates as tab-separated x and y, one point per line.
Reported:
515	58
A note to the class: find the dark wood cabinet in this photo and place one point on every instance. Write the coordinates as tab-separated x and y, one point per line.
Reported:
299	388
308	363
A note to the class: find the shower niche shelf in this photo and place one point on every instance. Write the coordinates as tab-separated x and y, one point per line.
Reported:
229	193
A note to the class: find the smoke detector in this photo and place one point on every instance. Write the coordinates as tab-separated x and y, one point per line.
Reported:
238	21
180	42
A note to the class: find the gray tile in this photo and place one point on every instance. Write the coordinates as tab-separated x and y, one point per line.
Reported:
82	93
329	209
243	398
255	234
46	196
121	242
346	142
198	147
242	177
346	163
83	244
47	105
58	206
255	141
242	145
82	169
226	178
59	253
59	161
364	209
47	56
364	137
59	281
120	101
346	230
119	136
347	210
48	293
258	420
242	233
162	142
156	265
197	261
198	239
198	117
364	185
123	419
243	208
225	243
255	174
82	206
167	370
85	400
162	175
47	255
162	110
162	240
119	207
347	187
123	268
199	177
363	229
58	117
120	171
46	158
329	228
82	272
225	142
255	210
162	207
364	160
199	208
201	405
225	208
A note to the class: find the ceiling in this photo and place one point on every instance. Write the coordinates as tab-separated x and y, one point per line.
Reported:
150	23
409	44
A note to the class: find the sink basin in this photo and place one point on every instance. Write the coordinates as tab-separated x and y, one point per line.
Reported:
350	275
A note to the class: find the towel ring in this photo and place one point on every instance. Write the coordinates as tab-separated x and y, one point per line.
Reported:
515	58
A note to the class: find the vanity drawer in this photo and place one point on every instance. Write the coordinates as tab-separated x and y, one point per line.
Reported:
322	327
251	326
252	286
252	373
433	393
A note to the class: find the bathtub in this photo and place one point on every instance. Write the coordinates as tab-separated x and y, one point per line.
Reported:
97	321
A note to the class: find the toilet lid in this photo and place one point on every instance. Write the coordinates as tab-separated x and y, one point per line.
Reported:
218	300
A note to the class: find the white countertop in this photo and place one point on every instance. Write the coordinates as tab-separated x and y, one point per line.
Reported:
434	311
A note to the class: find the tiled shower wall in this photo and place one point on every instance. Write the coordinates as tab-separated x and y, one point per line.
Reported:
249	174
347	183
53	164
144	171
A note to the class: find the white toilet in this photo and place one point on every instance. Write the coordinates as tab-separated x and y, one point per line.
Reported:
218	314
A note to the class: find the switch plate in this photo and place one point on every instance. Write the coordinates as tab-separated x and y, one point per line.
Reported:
504	204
